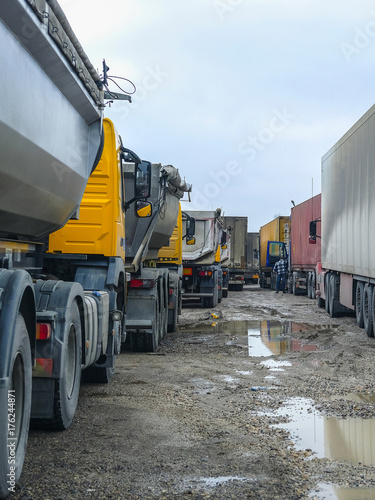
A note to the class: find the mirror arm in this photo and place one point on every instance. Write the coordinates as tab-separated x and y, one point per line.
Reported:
128	203
133	156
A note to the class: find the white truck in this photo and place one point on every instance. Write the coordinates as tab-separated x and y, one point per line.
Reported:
202	276
346	274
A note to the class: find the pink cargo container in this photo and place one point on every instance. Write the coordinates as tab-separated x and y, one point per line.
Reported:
304	256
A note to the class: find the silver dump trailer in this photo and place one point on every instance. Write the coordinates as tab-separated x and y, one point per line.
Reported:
202	260
51	137
50	118
150	285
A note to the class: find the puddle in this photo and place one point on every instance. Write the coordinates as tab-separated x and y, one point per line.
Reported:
333	492
350	440
261	338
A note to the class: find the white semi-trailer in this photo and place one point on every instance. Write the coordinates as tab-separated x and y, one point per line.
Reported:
346	275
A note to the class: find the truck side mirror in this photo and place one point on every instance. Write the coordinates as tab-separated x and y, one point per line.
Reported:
190	229
223	242
143	209
142	176
312	237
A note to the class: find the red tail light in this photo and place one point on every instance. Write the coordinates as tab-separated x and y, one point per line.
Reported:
43	331
205	273
141	283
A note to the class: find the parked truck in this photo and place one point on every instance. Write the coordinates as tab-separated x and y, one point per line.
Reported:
202	276
67	293
346	274
274	238
304	257
237	229
155	267
59	314
252	258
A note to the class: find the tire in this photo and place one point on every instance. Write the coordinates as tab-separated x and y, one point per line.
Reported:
359	304
261	280
320	302
368	317
20	383
172	320
309	290
67	386
313	286
225	293
332	284
326	289
295	291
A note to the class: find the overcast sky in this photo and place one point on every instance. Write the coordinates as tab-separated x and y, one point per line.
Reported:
244	97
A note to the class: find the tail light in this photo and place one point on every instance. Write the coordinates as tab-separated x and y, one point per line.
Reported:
205	273
141	283
43	331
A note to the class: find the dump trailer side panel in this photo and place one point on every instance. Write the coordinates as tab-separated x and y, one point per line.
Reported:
57	130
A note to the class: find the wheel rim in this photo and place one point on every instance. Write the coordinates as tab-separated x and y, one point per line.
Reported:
71	362
366	305
17	385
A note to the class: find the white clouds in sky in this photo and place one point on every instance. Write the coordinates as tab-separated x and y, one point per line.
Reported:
210	75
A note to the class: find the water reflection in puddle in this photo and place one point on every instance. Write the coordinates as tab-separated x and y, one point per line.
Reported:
274	337
263	338
350	440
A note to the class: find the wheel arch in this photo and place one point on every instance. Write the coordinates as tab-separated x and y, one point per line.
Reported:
17	295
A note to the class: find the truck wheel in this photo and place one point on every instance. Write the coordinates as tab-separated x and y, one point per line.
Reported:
332	284
15	409
172	320
313	286
309	292
326	290
295	289
359	304
320	302
67	386
367	310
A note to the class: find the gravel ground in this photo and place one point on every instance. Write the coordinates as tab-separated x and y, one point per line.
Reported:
214	413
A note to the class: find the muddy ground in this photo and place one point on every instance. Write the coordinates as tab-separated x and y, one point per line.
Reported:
209	414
